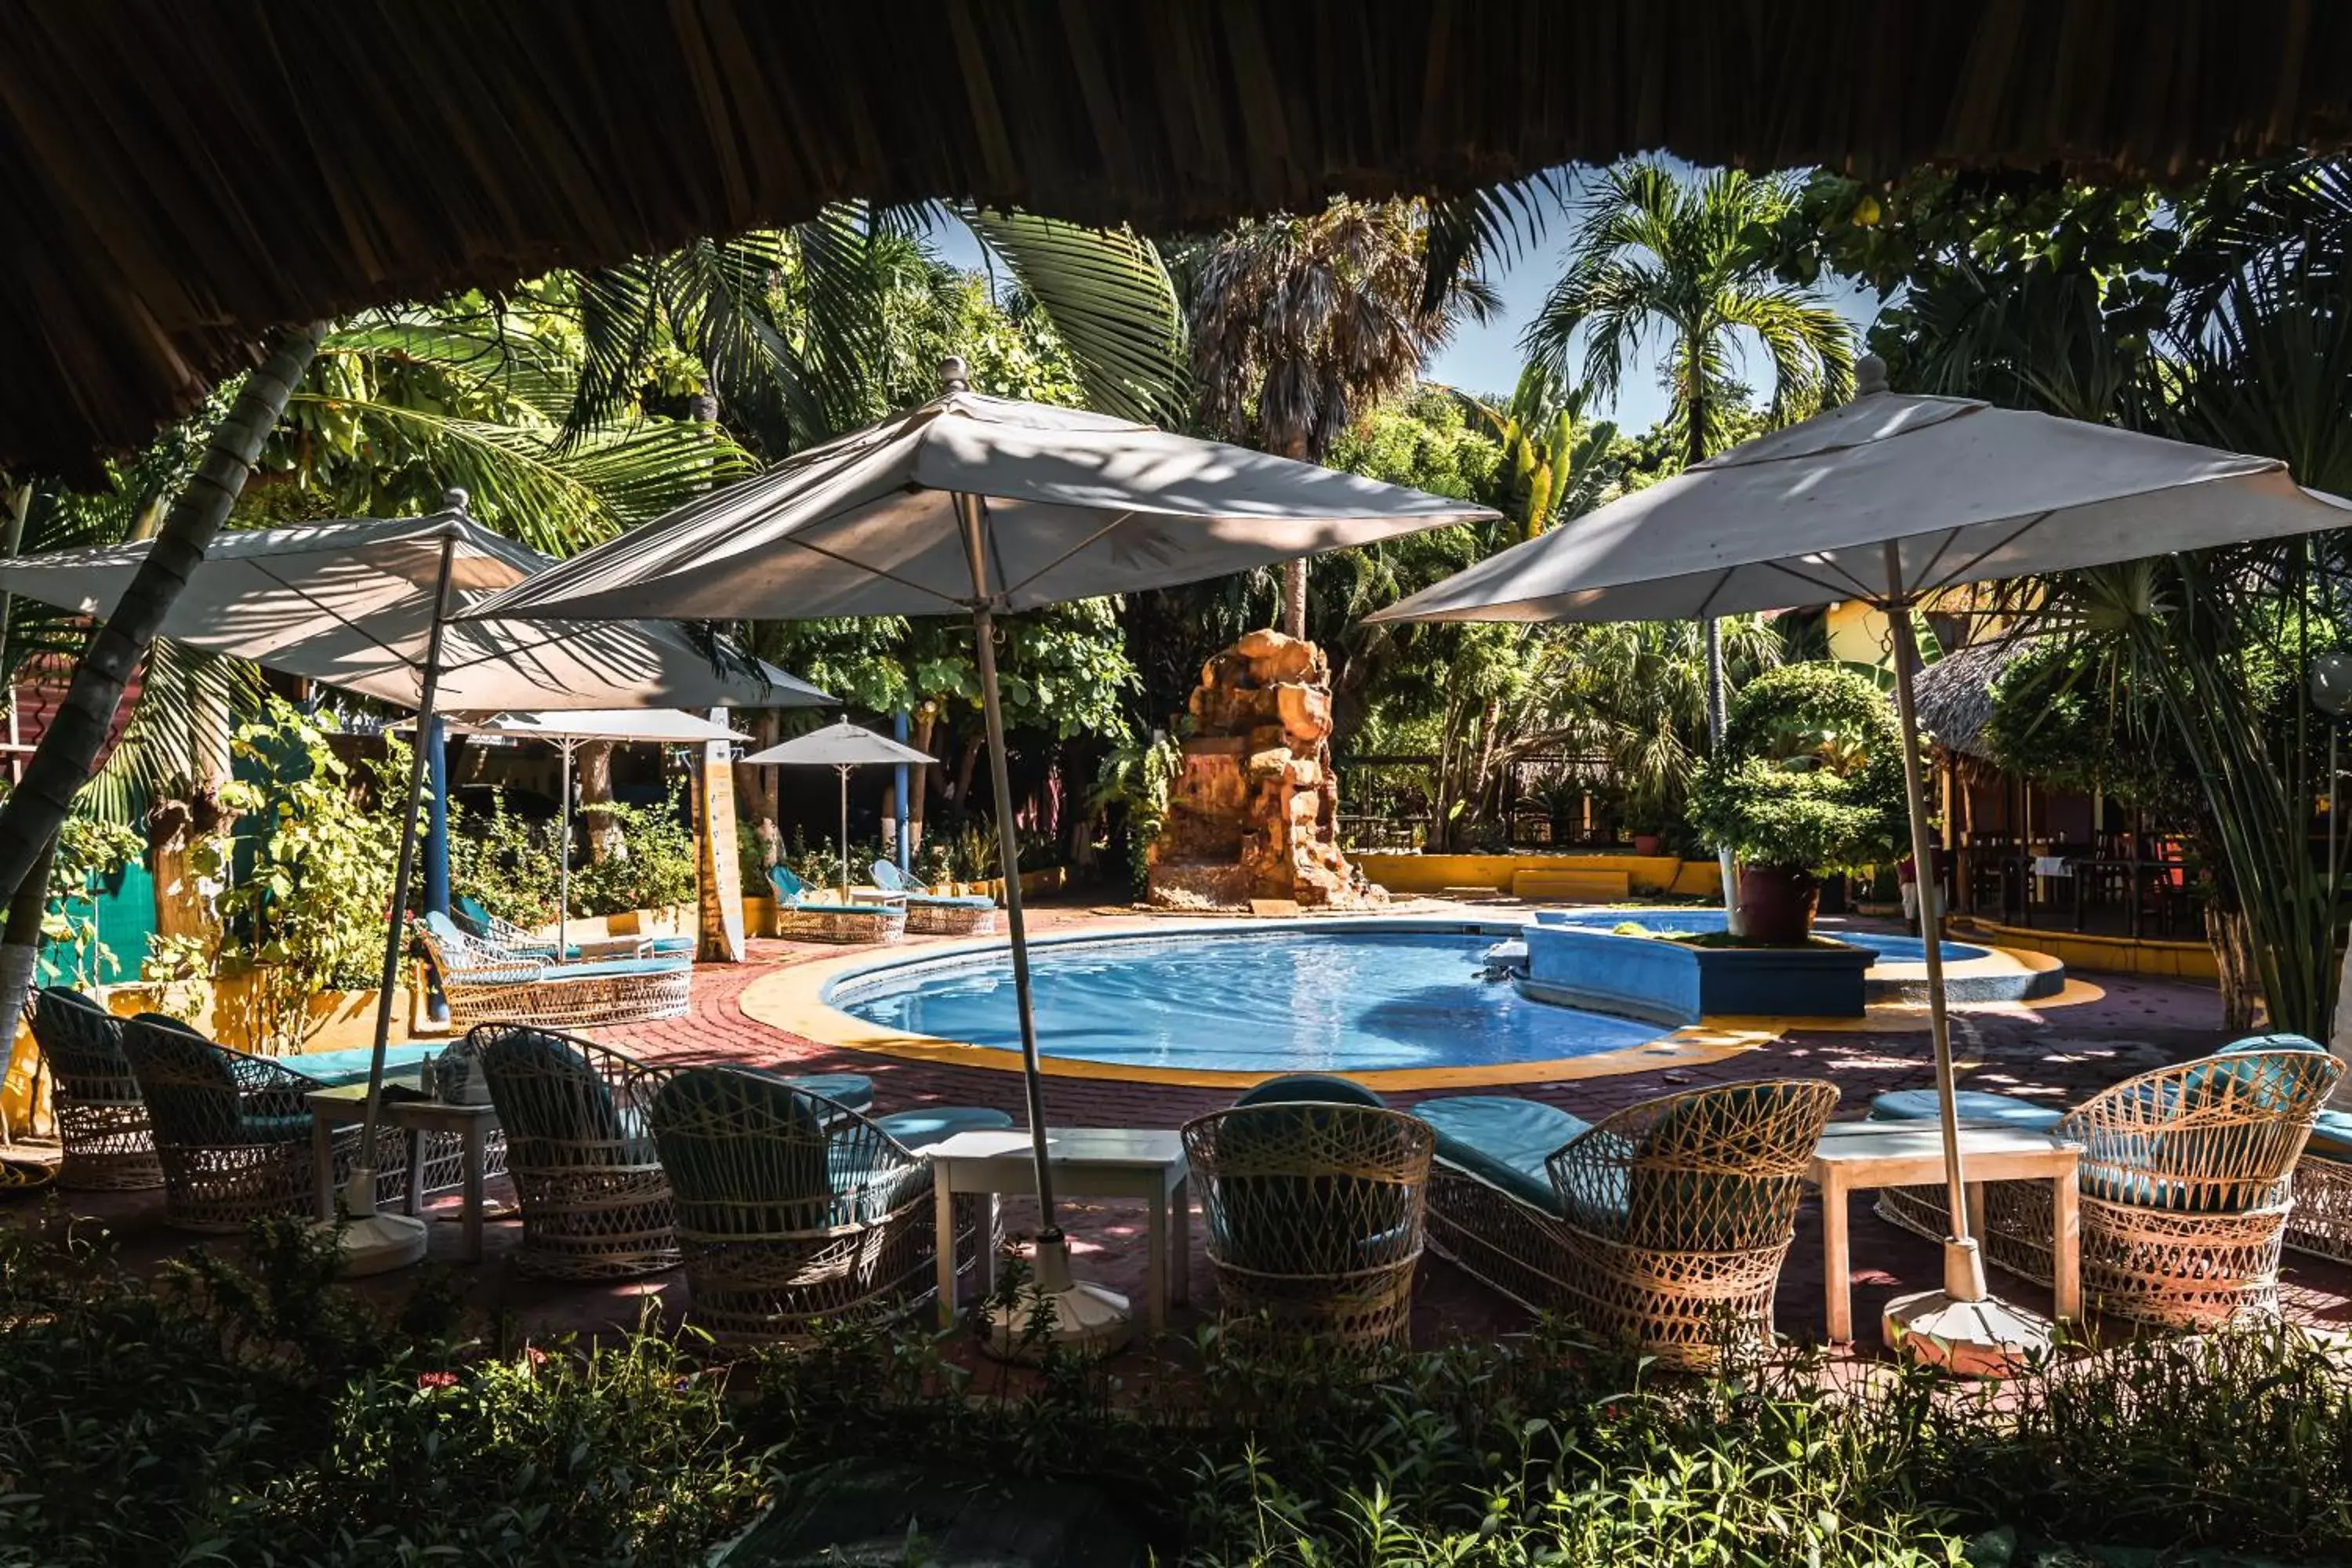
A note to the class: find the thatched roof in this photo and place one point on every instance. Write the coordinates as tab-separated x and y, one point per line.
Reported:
1954	696
181	175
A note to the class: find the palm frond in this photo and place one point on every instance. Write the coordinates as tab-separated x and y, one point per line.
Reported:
1110	301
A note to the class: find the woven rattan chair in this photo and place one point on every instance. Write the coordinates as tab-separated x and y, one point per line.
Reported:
792	1207
232	1133
595	1202
2187	1178
1664	1227
937	914
101	1117
486	983
477	921
802	915
1316	1211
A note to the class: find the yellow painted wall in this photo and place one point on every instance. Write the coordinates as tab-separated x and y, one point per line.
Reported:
1433	874
1857	632
2102	954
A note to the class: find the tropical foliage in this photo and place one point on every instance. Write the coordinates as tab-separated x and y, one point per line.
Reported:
1811	773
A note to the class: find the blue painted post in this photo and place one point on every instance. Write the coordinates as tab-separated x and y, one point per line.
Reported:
435	742
898	732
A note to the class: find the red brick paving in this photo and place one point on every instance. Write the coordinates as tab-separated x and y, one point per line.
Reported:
2060	1056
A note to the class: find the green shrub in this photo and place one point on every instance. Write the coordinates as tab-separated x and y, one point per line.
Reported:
1811	773
655	870
509	862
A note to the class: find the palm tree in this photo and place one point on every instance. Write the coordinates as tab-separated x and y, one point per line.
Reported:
1688	259
1300	323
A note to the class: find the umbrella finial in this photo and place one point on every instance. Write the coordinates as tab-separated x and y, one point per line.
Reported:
953	374
454	499
1869	376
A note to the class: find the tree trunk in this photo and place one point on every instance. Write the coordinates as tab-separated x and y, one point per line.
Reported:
61	764
919	780
1293	597
595	774
2243	1006
964	766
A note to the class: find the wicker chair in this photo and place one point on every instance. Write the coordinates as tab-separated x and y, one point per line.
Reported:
232	1133
792	1207
102	1119
486	983
477	922
1664	1227
802	916
2188	1180
595	1202
937	914
1315	1197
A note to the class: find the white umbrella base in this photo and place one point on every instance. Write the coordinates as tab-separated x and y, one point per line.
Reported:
1983	1337
1085	1319
376	1243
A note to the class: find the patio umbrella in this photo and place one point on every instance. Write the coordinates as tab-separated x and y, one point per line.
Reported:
366	604
980	506
567	730
1888	499
843	746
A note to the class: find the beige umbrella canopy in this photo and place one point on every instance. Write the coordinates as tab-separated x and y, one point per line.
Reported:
1887	500
983	506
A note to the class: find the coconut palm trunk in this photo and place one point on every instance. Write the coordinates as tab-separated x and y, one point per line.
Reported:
68	749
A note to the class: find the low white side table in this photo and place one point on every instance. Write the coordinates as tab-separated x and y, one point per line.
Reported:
1088	1162
346	1106
1859	1156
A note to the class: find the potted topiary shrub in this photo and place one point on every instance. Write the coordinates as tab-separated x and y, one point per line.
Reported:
1808	779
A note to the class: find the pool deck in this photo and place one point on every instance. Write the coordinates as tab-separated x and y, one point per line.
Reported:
2058	1057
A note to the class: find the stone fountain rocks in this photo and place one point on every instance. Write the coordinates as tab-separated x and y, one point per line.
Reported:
1253	810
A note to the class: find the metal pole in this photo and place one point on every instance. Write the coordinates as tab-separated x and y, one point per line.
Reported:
563	855
1727	865
1967	1286
396	925
983	633
843	769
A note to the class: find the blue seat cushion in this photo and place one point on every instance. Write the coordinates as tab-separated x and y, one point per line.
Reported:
850	1091
934	1123
613	968
1971	1104
335	1069
951	900
674	947
1324	1088
1504	1139
2332	1138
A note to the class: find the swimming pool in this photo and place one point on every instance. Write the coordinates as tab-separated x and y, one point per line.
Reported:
1890	945
1260	998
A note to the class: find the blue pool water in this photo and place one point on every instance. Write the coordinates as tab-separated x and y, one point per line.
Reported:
1900	949
1245	1000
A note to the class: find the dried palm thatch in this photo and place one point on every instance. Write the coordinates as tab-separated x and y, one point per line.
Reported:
182	177
1955	697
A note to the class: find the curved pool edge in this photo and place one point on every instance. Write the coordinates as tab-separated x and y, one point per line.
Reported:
794	998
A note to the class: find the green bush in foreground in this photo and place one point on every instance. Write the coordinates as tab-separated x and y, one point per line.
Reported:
263	1417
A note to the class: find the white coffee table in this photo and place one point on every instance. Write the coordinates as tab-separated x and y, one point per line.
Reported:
1859	1156
1088	1162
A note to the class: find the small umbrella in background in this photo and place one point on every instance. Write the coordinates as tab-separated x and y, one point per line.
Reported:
983	506
1889	499
367	605
841	746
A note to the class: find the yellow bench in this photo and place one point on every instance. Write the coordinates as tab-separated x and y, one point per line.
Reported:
1563	885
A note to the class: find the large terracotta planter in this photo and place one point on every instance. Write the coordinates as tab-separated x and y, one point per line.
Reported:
1647	843
1776	904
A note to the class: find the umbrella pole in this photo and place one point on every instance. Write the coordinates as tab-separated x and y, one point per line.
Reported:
394	1241
563	856
843	771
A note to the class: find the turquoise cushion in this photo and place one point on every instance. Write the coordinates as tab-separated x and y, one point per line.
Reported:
608	968
272	1129
933	1123
2332	1138
1325	1088
1971	1104
1503	1138
850	1091
336	1067
2273	1043
951	900
674	947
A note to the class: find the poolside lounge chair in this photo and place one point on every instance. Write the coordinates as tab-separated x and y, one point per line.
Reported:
483	926
102	1119
937	914
2188	1180
232	1133
1663	1226
486	983
1314	1195
804	915
595	1202
792	1207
